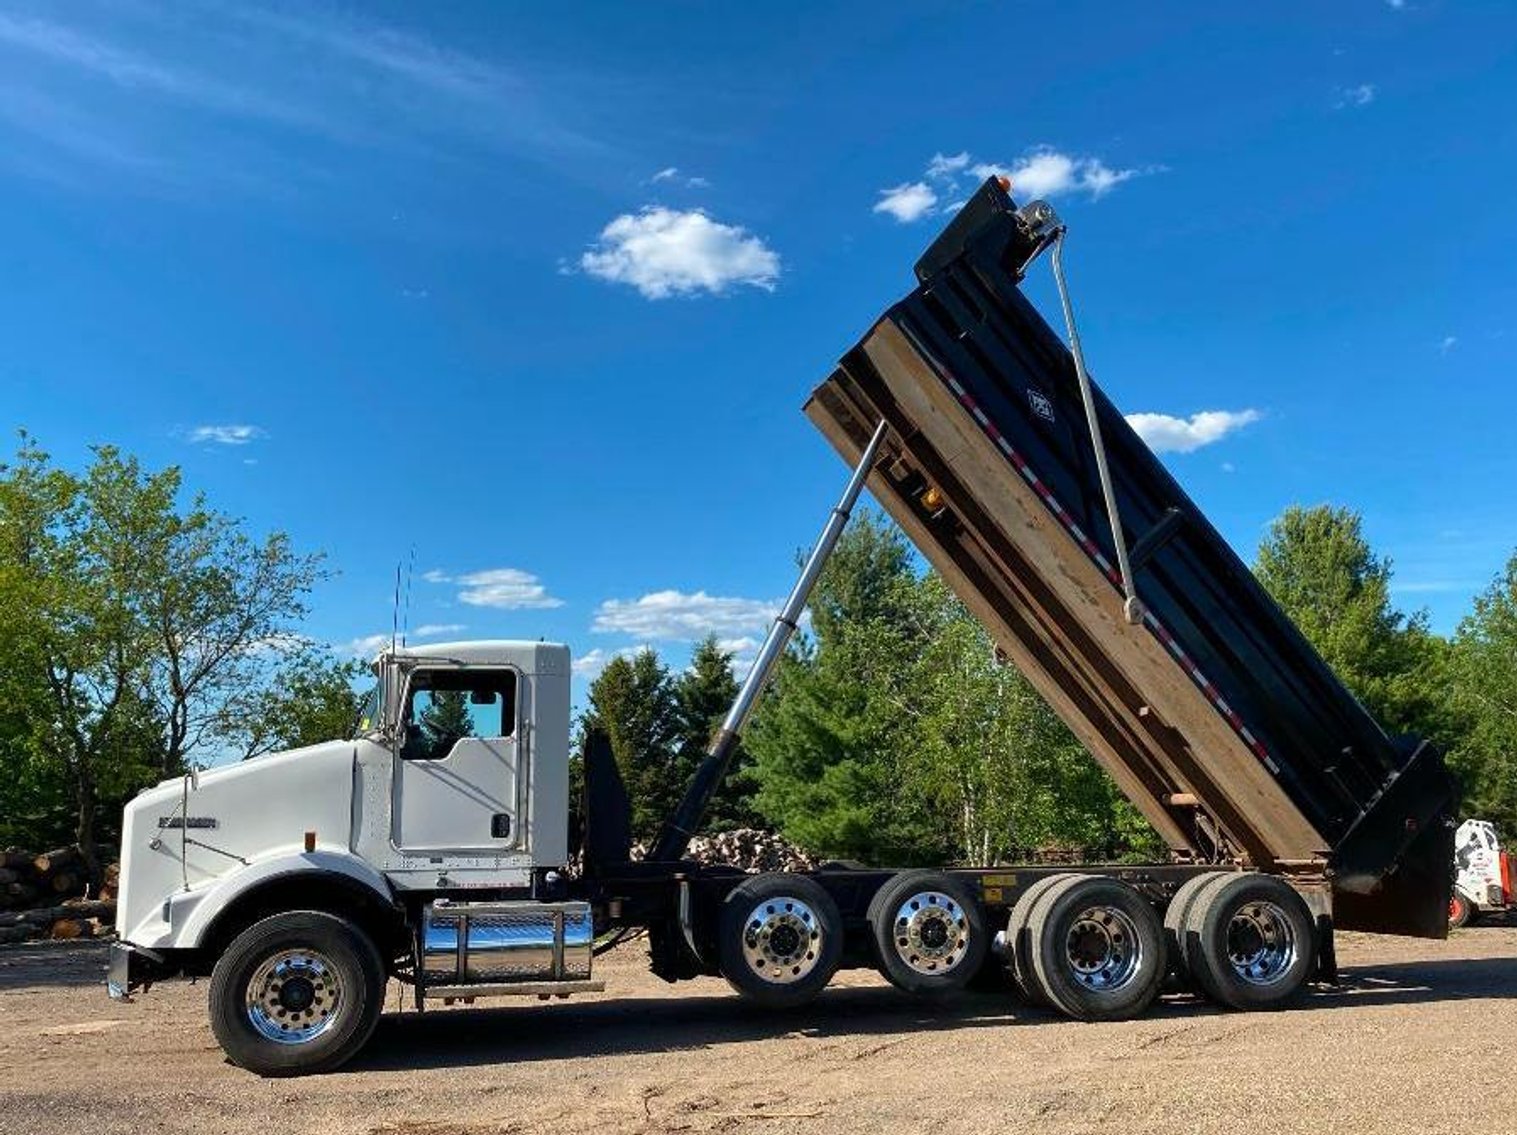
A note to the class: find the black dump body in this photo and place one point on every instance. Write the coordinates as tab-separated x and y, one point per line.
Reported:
970	376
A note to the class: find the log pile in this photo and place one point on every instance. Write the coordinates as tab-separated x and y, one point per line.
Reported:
46	896
747	849
751	850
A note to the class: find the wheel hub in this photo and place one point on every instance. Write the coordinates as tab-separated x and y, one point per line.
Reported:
931	932
294	996
1102	949
782	940
1261	945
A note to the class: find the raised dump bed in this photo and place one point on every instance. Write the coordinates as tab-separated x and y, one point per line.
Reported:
1206	704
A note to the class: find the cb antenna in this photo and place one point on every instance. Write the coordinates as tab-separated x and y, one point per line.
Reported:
395	610
405	625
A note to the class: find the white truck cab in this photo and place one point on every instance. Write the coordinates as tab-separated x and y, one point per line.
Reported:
455	787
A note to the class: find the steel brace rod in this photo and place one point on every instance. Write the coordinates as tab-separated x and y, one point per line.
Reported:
1132	606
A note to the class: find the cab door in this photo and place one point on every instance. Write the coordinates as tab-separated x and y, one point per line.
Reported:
459	772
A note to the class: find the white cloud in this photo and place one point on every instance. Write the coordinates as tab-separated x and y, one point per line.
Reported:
224	435
1448	344
907	202
366	646
1046	172
1040	172
672	173
943	166
663	252
1362	95
508	589
1166	433
683	617
592	662
744	651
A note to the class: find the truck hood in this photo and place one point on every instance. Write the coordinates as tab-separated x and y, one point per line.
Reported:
183	836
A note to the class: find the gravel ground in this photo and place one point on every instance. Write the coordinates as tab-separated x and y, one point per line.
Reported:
1421	1037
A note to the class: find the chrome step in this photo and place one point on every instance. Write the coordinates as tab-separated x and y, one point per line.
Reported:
543	989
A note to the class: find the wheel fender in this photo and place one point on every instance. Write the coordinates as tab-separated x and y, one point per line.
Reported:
261	872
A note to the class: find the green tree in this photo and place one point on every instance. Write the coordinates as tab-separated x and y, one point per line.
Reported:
831	746
994	757
633	701
703	694
894	735
137	629
74	641
1321	570
311	698
1483	681
446	719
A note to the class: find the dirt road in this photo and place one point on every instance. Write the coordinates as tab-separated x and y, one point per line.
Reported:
1421	1037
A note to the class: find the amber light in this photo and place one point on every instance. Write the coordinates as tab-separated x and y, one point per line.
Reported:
932	500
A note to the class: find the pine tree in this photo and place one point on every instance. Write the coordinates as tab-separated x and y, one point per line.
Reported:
446	720
633	701
704	693
831	745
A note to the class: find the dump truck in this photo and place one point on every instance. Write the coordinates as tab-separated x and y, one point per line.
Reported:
302	882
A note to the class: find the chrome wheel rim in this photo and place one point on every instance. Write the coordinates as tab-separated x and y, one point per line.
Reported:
294	997
782	940
930	932
1261	944
1102	949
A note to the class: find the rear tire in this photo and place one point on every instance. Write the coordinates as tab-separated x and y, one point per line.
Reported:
1097	949
1175	916
780	938
1018	942
296	993
929	933
1250	941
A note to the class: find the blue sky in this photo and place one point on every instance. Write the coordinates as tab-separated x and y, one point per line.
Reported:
539	290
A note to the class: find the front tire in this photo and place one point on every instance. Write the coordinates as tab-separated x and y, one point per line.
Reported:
1461	911
296	993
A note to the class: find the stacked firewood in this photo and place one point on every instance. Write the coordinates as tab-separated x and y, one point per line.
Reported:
751	850
747	849
47	896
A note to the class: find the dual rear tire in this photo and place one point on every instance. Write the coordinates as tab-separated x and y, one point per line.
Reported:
1243	939
1089	946
1094	949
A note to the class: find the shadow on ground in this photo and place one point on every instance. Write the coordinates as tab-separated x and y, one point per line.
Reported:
30	965
643	1025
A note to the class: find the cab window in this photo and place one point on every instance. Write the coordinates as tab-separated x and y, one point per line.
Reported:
444	706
